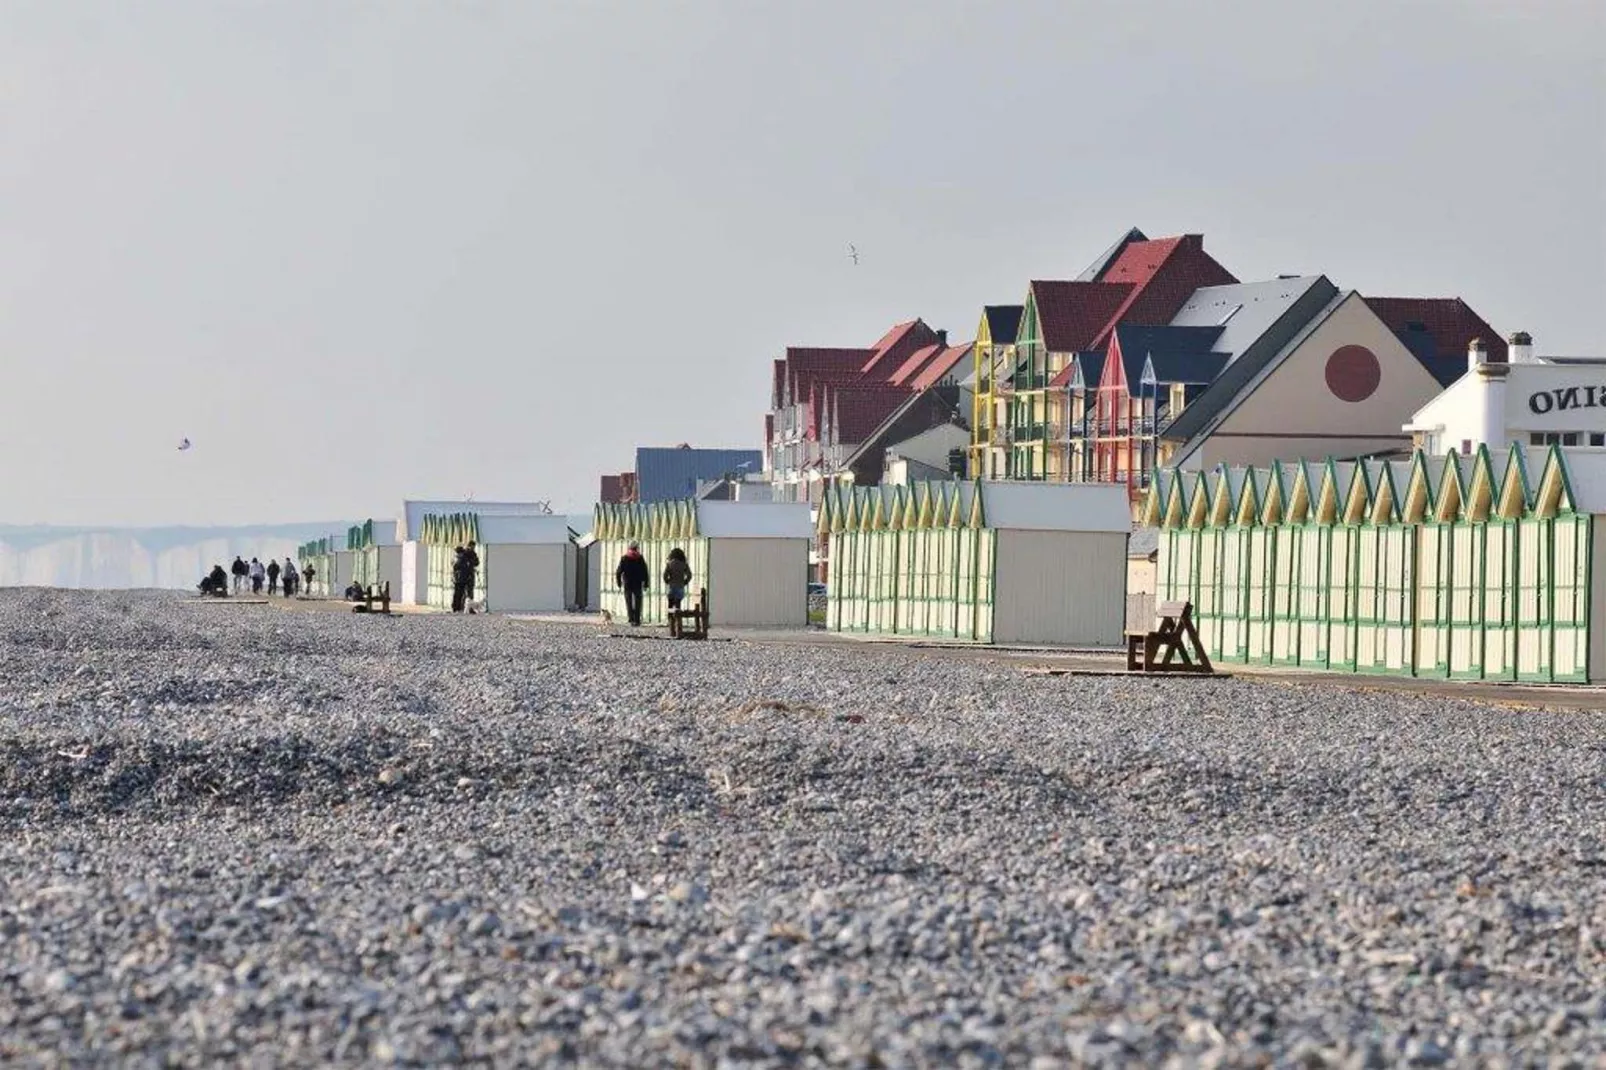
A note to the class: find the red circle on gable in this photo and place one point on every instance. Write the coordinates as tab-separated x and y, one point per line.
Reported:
1353	373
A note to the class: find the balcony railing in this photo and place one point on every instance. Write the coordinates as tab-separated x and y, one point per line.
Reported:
1036	431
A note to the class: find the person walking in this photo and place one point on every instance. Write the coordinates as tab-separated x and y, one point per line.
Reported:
677	577
273	576
310	574
464	565
292	578
241	572
258	574
632	575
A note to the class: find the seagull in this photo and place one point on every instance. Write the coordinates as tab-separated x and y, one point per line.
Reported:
184	445
853	252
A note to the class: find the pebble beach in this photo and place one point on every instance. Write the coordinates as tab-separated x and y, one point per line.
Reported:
248	834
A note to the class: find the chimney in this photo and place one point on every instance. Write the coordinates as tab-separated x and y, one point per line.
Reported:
942	339
1491	394
1520	348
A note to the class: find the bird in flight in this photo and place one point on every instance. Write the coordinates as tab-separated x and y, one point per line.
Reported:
853	252
184	445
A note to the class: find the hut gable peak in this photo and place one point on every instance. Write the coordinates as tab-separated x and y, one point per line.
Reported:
1452	491
1481	487
1515	497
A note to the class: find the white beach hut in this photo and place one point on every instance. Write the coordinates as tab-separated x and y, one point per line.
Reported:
376	555
751	557
527	563
414	568
1033	563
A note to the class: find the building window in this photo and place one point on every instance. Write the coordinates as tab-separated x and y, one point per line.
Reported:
1597	438
1570	438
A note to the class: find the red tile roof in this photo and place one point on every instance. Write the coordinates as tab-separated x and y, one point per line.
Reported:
1072	314
807	366
895	347
1164	274
856	411
909	368
1159	276
939	367
798	357
1449	320
895	332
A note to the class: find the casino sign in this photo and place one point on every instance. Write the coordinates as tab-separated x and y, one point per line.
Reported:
1562	398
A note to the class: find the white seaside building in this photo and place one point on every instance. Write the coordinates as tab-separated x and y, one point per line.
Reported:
1528	399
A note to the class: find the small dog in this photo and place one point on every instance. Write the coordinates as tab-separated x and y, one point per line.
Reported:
607	619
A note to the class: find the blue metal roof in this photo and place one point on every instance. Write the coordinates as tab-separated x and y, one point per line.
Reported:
666	473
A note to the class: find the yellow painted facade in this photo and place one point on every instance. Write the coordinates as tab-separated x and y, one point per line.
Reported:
995	362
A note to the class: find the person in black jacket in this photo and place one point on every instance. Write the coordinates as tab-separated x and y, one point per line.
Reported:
273	576
216	582
464	565
242	572
632	575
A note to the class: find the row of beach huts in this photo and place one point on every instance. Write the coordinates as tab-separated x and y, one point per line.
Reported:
1461	566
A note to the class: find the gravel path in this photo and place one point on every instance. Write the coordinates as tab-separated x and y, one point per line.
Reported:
236	833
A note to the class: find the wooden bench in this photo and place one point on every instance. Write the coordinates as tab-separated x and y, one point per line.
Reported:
696	617
374	593
1172	637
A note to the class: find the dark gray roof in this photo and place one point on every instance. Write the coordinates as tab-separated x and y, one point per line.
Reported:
1257	319
1092	362
1106	258
1003	322
1177	354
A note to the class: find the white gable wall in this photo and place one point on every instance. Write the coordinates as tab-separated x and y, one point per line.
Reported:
758	583
1061	588
414	573
1292	414
931	446
527	577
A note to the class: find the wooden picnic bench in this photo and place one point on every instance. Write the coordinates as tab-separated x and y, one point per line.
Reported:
380	593
696	617
1173	635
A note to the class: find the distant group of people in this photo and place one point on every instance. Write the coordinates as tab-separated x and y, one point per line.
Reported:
255	575
633	576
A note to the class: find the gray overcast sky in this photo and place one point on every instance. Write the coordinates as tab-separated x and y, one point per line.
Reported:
365	250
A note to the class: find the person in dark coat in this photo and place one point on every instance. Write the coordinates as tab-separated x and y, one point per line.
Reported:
273	576
241	572
632	575
216	582
677	577
464	566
